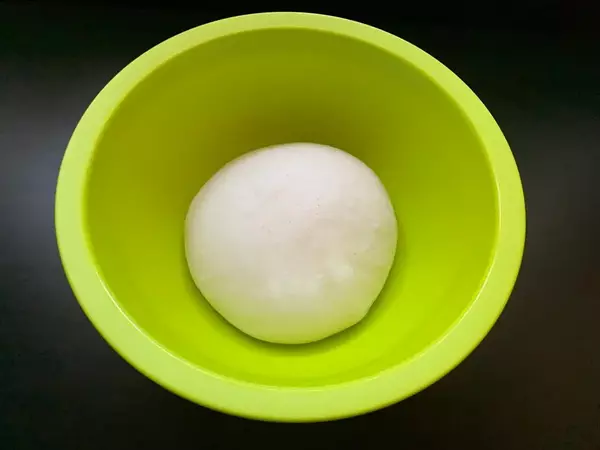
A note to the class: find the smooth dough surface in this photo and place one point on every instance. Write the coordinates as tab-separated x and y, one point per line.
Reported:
291	243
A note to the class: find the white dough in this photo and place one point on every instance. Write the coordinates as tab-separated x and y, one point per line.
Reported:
291	243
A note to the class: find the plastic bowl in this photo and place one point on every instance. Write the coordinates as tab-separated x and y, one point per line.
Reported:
179	112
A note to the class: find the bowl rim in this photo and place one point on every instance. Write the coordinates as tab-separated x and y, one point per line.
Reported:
263	401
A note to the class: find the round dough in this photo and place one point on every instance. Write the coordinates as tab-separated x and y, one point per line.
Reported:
291	243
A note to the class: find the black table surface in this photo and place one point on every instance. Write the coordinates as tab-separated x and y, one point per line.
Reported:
534	382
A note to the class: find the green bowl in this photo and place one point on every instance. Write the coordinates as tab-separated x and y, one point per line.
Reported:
178	113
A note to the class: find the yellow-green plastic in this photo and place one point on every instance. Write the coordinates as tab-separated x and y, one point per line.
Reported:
179	112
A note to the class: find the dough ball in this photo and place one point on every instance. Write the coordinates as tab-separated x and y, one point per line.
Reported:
291	243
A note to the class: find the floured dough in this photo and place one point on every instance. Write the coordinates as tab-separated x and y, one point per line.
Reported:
291	243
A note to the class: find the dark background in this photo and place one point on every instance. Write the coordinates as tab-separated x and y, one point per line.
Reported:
534	382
